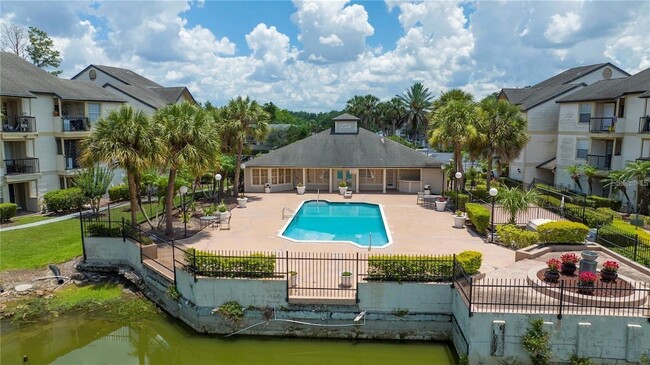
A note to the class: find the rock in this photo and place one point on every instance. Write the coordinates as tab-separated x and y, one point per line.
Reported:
78	276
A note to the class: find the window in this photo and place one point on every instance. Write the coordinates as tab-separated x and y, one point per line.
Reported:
370	176
585	113
59	148
621	107
94	112
274	176
582	148
619	147
260	176
318	176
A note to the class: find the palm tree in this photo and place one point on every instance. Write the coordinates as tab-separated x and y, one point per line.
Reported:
453	94
502	133
617	181
453	124
637	171
575	171
190	141
241	119
125	138
515	200
393	113
417	102
590	172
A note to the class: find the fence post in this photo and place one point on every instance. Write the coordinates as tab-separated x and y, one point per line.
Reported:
471	291
173	260
194	264
123	230
81	226
286	261
356	279
559	315
453	271
636	245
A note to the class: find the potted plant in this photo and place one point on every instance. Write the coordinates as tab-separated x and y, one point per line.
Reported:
223	212
586	283
293	279
459	219
552	272
209	210
267	188
441	204
242	200
346	279
569	261
343	187
300	188
609	271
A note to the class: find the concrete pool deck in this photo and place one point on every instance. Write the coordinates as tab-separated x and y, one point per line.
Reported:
414	229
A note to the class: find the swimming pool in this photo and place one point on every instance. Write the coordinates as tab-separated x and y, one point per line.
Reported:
361	224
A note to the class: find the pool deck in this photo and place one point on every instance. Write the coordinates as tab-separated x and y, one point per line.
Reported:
414	229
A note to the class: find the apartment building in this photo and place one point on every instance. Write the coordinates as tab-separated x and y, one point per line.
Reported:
605	125
43	120
539	106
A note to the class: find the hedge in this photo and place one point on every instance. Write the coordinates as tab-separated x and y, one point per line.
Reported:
515	237
256	265
593	218
119	192
7	211
409	268
103	230
563	232
479	215
480	192
470	261
65	200
462	199
600	202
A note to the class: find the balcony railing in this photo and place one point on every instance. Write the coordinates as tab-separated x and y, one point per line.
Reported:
644	124
19	166
71	163
19	124
75	124
601	162
602	125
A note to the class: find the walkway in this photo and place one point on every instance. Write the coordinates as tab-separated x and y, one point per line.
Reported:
56	219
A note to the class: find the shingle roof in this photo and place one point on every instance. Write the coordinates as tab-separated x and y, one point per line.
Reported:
571	74
328	149
612	89
20	78
127	76
645	94
345	116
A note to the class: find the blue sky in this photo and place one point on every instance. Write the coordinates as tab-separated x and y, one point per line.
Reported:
314	55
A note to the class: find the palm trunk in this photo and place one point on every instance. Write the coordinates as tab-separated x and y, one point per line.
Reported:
459	165
169	202
235	188
132	196
488	175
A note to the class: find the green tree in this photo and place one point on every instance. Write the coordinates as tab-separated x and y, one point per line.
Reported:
93	182
617	181
575	171
190	141
125	138
41	50
364	107
417	102
638	171
392	114
240	120
502	133
590	172
514	201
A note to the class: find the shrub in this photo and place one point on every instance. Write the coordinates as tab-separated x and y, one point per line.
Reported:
462	198
600	202
516	237
256	265
409	268
622	234
7	211
595	219
563	232
536	341
103	230
609	212
65	200
480	192
119	192
479	215
470	261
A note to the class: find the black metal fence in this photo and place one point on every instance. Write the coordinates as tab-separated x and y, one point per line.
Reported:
16	166
19	124
631	246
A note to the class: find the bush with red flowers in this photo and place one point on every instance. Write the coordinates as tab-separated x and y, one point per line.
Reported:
610	266
587	278
553	265
569	258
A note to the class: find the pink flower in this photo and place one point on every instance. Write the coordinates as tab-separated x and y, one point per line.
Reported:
569	258
587	278
610	266
553	265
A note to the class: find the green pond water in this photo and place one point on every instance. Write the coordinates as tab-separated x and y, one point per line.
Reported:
74	339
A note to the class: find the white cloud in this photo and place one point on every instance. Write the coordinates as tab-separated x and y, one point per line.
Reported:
331	40
562	27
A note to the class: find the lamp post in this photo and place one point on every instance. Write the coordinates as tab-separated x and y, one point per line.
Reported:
183	190
243	166
458	176
217	178
442	187
493	194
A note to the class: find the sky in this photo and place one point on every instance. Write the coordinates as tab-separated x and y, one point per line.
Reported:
315	55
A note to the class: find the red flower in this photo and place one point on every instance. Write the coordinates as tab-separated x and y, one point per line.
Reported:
587	278
610	266
569	258
553	265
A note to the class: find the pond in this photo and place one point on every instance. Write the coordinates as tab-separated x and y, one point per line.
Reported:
75	339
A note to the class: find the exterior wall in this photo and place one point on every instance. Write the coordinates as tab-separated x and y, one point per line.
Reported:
346	127
409	297
432	177
597	75
135	103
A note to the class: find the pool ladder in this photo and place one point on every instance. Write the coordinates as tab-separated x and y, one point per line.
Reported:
290	214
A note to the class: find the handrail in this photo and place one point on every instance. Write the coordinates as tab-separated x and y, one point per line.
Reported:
291	211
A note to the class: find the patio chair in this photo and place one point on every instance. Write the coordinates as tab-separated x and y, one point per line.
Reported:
420	199
225	225
348	194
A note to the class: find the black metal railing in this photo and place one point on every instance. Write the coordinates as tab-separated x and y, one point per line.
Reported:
631	246
17	166
602	125
75	124
644	124
601	162
19	124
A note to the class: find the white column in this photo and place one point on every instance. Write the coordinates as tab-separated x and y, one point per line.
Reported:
304	177
383	179
330	183
268	177
356	181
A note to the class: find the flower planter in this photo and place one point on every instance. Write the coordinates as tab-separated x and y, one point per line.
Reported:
459	221
608	276
551	276
242	202
300	190
568	268
342	189
150	251
223	216
441	206
346	280
587	289
293	279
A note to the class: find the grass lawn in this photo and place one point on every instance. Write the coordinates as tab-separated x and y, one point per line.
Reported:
38	246
25	219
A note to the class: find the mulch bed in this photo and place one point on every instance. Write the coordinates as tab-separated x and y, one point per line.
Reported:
616	289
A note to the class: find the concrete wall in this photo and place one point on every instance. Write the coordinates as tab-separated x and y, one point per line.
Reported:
112	251
409	297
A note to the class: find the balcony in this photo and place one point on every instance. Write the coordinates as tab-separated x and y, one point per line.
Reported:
19	166
644	124
19	124
75	124
602	125
601	162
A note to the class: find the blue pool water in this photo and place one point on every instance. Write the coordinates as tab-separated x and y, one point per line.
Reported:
325	221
